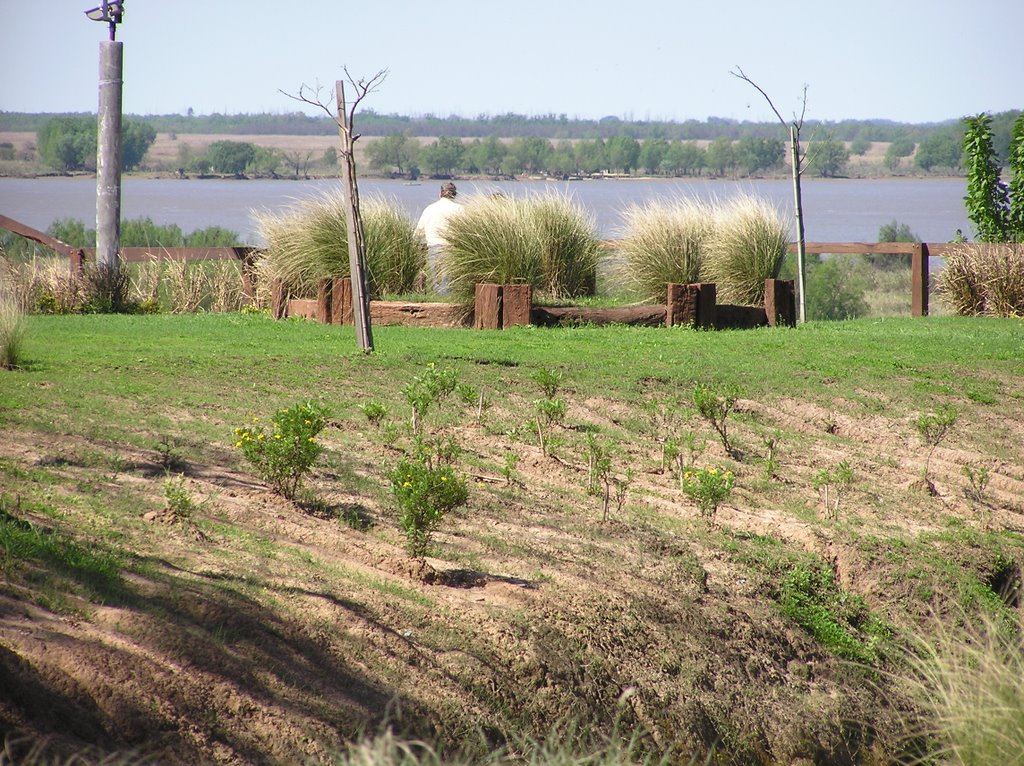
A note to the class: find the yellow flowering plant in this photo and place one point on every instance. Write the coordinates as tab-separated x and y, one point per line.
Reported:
425	494
709	488
283	456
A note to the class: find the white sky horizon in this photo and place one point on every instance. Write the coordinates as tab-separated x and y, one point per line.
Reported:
916	61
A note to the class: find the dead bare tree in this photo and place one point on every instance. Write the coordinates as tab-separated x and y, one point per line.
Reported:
797	160
343	116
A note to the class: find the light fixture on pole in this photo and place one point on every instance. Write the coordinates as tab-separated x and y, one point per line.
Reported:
111	13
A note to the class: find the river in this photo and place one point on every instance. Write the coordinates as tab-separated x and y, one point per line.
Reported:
835	210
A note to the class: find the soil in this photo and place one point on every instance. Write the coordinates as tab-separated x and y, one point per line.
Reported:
257	631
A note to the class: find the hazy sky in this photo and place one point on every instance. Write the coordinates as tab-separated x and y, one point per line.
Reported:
904	60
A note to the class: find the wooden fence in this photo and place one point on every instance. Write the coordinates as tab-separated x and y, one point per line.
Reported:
920	254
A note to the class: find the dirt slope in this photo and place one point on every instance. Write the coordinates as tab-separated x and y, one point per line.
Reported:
260	633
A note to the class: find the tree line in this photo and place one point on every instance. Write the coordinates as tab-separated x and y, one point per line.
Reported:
551	126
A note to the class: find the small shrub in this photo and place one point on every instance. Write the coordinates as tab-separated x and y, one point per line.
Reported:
427	389
425	494
709	488
178	500
375	412
286	454
665	243
977	482
832	483
771	457
508	468
932	428
715	406
12	334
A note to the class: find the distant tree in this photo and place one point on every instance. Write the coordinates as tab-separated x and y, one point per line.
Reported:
266	160
836	286
894	231
860	146
136	138
754	154
827	157
943	150
562	160
590	155
330	158
623	153
298	161
230	156
720	156
652	153
687	158
68	143
897	150
530	154
443	157
392	154
487	155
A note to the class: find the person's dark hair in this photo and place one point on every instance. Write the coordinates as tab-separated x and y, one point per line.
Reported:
448	190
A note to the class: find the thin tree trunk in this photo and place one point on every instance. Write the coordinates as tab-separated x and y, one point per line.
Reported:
801	259
356	247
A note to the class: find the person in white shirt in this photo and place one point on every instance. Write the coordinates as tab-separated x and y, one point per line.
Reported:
431	228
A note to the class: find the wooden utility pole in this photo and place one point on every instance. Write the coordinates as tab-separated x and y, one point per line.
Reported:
354	220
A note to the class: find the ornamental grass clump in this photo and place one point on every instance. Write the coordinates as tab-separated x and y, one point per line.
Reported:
284	455
309	241
664	242
12	333
984	281
971	683
545	241
750	242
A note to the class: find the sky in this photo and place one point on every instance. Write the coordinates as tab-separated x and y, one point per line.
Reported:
913	61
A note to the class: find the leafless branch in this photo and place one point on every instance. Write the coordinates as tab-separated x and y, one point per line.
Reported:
363	87
797	121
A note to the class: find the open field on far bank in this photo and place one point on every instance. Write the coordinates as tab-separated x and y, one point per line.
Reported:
256	632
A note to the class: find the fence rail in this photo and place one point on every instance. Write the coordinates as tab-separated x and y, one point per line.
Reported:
919	269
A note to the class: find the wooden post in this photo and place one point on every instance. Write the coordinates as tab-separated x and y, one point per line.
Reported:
707	297
341	300
516	305
278	299
919	280
77	262
780	302
323	301
487	307
681	305
245	256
